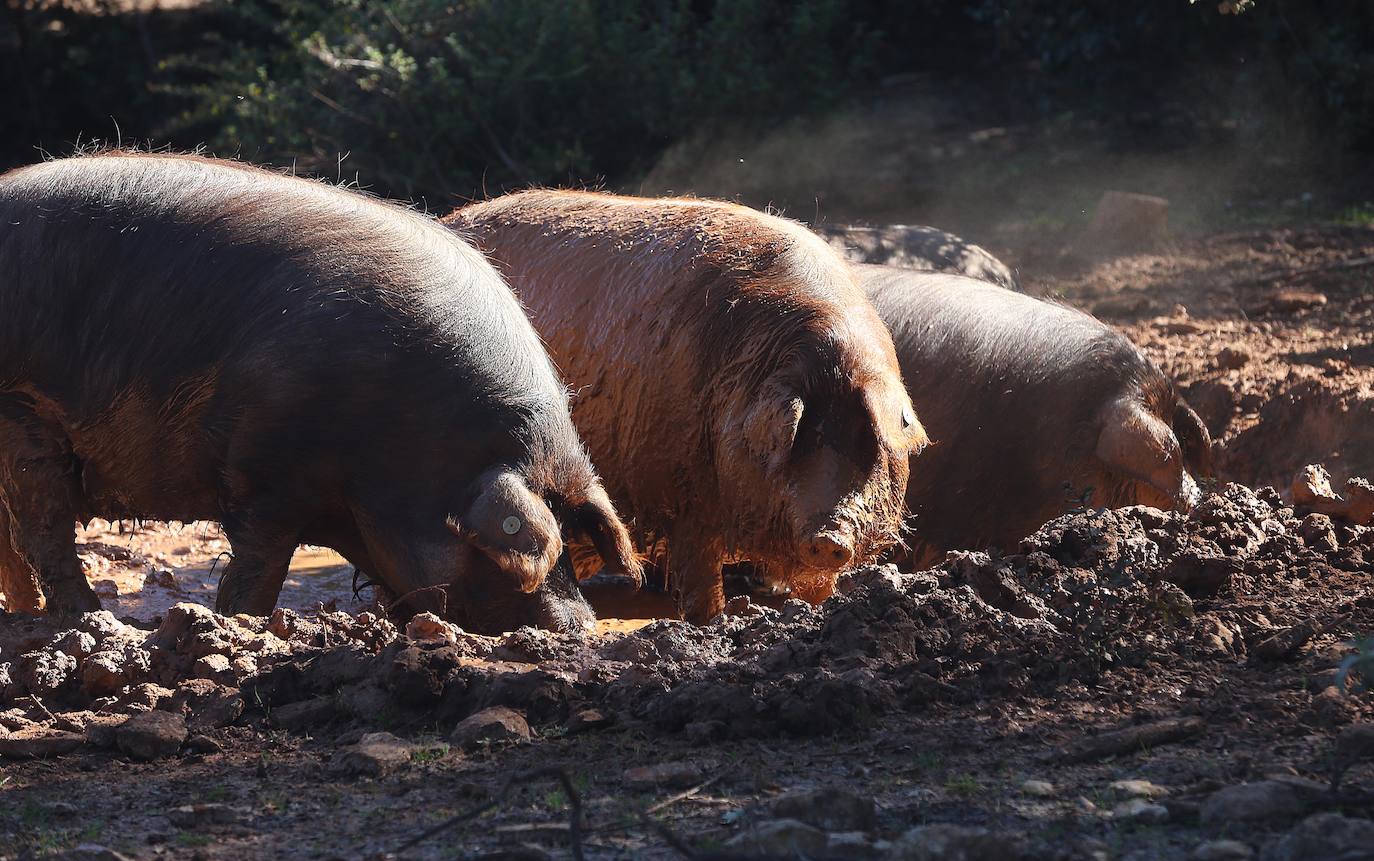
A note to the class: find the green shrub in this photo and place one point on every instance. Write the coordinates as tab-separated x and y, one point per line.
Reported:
445	98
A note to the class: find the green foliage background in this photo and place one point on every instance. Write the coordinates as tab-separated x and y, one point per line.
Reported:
435	99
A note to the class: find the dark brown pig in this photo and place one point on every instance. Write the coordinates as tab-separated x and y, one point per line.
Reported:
1033	408
185	338
734	386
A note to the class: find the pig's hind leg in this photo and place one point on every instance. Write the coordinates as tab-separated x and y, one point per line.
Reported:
40	483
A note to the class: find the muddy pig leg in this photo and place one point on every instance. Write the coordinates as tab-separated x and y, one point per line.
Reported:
694	575
38	478
262	550
16	577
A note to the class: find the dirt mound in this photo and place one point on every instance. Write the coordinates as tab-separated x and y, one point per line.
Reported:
1090	593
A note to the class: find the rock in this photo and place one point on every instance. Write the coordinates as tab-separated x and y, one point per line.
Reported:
494	725
100	730
43	672
145	697
669	775
783	838
214	667
1325	835
77	644
855	846
113	667
39	743
102	625
1137	789
588	719
1262	801
1312	491
1222	850
829	809
192	816
364	700
1124	223
304	714
89	852
1356	742
203	744
375	755
1231	358
151	735
209	704
427	626
1038	789
1141	810
957	843
1288	302
1318	533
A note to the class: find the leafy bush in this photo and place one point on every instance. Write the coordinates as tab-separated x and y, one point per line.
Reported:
444	98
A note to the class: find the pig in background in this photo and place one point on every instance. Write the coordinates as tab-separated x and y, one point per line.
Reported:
1033	409
184	338
925	249
735	388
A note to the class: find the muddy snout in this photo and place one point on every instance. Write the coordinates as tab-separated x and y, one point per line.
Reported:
831	546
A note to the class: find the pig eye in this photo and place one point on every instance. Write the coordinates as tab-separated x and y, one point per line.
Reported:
511	525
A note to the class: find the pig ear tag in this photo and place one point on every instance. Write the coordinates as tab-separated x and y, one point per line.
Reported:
511	525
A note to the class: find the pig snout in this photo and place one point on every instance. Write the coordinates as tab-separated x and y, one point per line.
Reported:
832	545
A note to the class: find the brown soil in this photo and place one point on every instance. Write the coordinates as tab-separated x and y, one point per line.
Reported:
1211	639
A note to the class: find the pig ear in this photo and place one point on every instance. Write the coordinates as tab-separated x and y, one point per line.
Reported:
512	525
771	422
1196	440
1135	443
596	518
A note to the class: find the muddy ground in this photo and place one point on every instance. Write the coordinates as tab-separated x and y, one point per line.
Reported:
1128	684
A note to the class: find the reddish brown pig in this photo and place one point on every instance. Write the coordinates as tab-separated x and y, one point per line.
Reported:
184	338
1033	408
732	383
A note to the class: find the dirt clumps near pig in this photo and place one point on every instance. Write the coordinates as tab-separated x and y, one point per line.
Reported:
1242	576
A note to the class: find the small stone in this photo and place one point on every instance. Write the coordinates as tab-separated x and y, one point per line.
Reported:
1137	789
588	719
44	671
39	743
145	697
1356	742
668	775
782	838
304	714
151	735
957	843
493	725
1318	533
89	852
203	744
1141	810
102	625
209	704
192	816
78	644
1222	850
375	755
1325	835
427	626
1038	789
215	667
1262	801
855	846
830	809
1231	358
100	730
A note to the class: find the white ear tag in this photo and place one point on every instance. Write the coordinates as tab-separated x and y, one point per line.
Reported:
511	525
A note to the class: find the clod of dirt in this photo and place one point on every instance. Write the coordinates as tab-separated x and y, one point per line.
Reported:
1288	302
495	725
1325	835
89	852
668	775
945	842
151	735
781	838
828	809
1263	801
1222	850
38	743
375	755
1312	492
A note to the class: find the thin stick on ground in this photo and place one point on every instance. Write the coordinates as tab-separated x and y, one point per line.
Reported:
557	774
